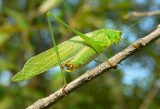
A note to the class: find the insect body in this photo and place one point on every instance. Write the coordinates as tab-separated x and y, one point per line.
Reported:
103	38
73	53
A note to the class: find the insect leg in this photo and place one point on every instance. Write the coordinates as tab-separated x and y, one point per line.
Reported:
64	91
58	56
134	45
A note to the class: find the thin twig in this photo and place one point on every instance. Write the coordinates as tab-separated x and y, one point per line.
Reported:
91	74
141	14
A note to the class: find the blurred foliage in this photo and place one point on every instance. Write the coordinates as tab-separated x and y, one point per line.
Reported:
24	33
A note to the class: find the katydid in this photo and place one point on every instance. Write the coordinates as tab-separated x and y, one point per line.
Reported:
71	54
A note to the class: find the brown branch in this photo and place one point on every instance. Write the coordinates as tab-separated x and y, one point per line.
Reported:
141	14
91	74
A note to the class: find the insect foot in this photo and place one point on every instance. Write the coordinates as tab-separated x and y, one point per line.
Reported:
114	66
110	63
64	91
135	46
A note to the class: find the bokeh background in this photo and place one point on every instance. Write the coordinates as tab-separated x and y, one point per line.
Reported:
24	32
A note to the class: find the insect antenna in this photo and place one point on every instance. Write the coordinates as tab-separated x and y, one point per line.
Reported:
129	42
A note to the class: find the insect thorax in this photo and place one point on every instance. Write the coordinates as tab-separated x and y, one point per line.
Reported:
106	37
114	35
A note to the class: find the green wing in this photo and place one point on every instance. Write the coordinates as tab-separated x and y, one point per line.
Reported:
48	59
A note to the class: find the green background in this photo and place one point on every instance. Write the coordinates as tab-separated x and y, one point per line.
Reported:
24	33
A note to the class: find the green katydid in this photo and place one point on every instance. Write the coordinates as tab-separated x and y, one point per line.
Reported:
71	54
